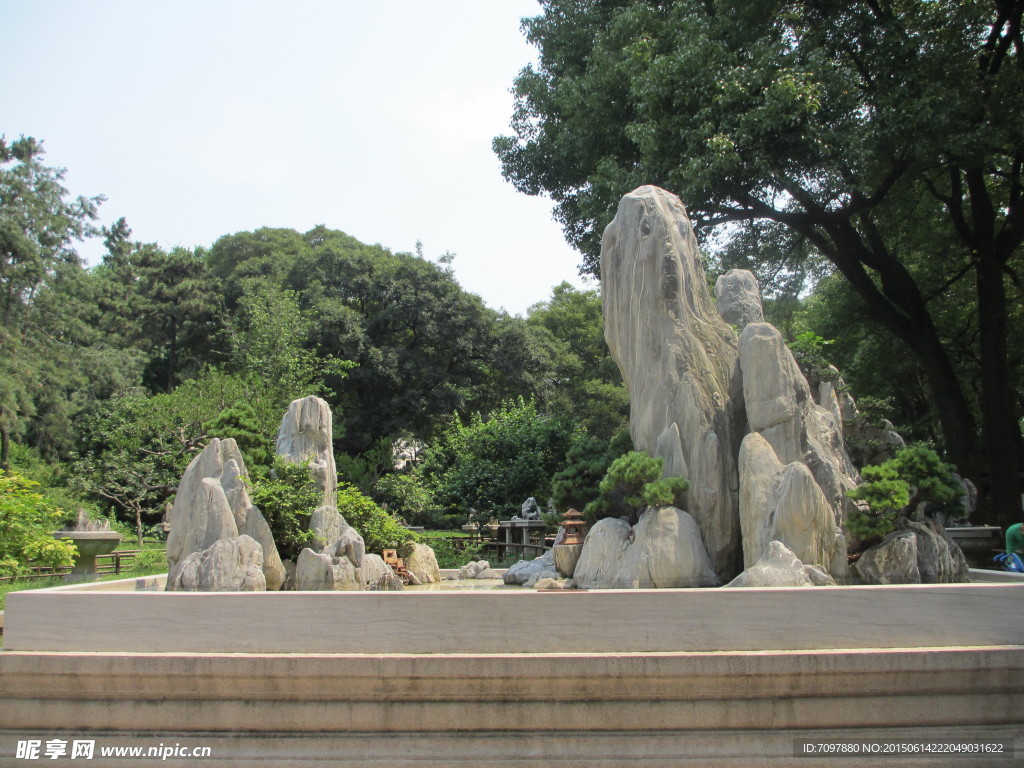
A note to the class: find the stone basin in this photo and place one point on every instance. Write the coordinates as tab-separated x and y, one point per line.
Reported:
90	545
425	679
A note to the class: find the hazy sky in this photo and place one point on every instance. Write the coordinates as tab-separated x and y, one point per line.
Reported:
200	119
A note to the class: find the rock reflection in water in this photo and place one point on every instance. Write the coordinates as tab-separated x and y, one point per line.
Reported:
446	585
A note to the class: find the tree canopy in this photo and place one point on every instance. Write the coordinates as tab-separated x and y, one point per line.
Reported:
887	136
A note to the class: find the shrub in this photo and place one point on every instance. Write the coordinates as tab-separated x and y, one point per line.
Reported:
915	476
287	497
578	483
404	495
808	351
632	483
379	530
450	556
26	521
493	464
239	421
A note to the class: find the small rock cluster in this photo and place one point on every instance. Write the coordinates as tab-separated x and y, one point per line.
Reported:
220	541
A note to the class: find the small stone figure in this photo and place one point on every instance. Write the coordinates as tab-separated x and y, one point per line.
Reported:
530	510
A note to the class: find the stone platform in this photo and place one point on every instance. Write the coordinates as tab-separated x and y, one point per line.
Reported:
599	678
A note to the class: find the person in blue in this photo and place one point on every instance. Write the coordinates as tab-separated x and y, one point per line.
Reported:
1015	539
1013	559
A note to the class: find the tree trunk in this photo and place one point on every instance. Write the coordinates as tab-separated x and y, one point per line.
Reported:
5	450
1000	427
138	523
901	308
172	354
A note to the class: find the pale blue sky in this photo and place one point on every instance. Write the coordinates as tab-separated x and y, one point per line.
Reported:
199	119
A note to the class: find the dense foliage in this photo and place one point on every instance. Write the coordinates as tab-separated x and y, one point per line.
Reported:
118	375
287	496
578	482
26	524
633	483
915	476
493	464
379	529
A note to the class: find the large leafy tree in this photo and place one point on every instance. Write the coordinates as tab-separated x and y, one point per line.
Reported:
583	380
39	225
158	302
857	126
424	347
493	464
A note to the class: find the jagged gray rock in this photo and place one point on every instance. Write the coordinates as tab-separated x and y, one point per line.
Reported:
477	569
528	572
779	406
379	576
306	435
338	565
738	299
780	567
316	571
327	525
784	503
212	503
678	358
421	562
663	550
228	565
915	553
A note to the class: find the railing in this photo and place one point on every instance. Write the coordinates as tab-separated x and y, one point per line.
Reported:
115	562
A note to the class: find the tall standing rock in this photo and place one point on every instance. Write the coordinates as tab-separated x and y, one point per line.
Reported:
212	504
306	435
678	358
780	406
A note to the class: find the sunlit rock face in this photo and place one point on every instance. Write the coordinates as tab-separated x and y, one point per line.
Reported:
738	299
780	567
808	504
212	504
915	553
227	565
306	435
679	359
663	550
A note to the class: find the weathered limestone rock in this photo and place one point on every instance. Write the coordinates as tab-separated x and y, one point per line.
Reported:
306	435
678	358
421	562
663	550
321	572
915	553
738	299
228	565
780	567
779	406
529	572
477	569
379	576
338	565
783	503
349	545
212	503
327	525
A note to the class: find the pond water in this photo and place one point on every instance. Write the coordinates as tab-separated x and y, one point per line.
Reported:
446	585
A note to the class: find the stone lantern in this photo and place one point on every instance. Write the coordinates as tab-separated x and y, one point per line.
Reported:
567	553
